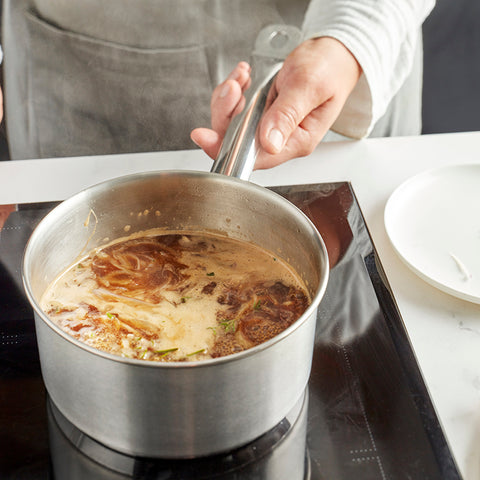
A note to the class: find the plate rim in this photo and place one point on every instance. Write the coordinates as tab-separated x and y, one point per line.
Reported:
387	219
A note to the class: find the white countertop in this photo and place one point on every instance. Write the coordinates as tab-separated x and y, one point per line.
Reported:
444	330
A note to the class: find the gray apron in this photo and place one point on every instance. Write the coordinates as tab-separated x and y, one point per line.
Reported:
120	76
116	76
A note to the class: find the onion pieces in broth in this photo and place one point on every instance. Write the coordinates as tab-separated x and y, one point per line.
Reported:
176	296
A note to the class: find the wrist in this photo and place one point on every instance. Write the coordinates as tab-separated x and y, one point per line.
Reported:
339	56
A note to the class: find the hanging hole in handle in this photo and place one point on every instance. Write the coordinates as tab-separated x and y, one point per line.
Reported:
275	42
279	39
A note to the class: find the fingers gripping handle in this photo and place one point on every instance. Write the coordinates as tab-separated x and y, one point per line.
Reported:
239	149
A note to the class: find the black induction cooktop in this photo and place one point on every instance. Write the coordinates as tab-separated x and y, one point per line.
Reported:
365	415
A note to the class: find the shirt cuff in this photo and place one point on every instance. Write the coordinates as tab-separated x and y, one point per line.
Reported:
382	36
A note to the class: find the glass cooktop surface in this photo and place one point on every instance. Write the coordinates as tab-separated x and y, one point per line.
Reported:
366	413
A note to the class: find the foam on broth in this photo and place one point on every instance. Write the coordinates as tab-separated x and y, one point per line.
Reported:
176	296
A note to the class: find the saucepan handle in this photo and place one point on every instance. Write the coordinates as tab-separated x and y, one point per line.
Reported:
239	149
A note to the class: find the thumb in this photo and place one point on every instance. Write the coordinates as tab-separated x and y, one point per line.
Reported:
295	100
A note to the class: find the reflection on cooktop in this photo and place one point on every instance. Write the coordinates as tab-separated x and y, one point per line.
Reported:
368	414
279	454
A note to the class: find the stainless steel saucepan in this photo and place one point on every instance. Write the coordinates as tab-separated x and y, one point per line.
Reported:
178	409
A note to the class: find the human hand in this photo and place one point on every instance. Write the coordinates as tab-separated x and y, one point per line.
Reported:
307	96
227	101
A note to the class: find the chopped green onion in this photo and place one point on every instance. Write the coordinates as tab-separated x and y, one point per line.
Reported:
211	274
166	352
110	316
195	353
257	305
229	325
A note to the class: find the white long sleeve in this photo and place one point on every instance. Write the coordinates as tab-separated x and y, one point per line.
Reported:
383	36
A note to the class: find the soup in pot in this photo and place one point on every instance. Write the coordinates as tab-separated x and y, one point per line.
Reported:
176	296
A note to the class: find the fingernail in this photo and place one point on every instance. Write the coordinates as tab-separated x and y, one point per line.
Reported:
234	75
244	66
276	139
224	91
193	140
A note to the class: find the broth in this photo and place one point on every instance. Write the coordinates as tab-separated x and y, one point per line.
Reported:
176	296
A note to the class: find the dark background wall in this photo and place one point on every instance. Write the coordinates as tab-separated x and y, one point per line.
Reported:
451	92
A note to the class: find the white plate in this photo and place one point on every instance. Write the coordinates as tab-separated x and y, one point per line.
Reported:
433	222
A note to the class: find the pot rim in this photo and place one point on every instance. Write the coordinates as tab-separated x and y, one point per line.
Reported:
65	205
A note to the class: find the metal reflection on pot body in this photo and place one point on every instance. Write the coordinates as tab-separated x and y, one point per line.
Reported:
279	454
181	409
